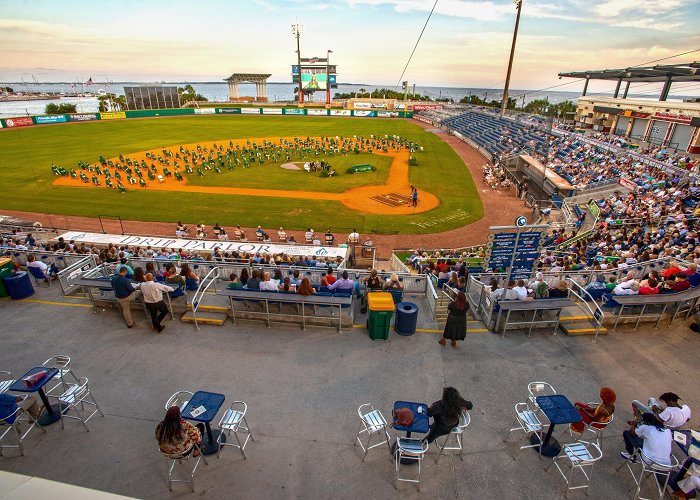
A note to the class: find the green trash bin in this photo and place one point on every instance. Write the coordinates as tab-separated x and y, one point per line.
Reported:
6	268
381	309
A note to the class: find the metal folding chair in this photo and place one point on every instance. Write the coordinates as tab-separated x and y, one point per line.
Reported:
455	435
78	395
372	422
410	450
232	421
62	362
40	277
179	399
660	472
173	460
12	423
6	380
527	421
581	456
536	389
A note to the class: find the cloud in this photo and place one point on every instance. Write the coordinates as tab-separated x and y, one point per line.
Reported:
482	10
614	8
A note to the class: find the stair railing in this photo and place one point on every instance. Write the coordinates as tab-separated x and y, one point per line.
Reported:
211	278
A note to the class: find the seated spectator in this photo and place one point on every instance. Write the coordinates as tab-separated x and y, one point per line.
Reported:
680	284
176	436
693	275
287	286
187	273
633	289
254	280
651	437
690	485
38	264
139	275
595	287
123	263
235	284
343	284
305	288
561	291
296	280
244	276
601	413
505	293
612	283
673	416
393	283
539	278
328	279
453	279
650	288
521	290
267	284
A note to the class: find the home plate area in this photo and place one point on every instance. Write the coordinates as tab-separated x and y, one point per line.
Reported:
392	199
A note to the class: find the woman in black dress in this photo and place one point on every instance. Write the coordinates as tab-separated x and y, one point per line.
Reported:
456	325
446	413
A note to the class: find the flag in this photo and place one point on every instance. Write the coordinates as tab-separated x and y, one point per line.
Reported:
89	82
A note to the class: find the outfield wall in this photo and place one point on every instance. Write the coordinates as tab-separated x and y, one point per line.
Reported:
28	121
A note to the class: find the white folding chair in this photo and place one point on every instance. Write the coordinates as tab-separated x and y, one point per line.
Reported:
536	389
6	380
78	395
527	421
179	399
456	435
660	472
372	422
596	428
12	423
62	362
411	450
581	456
232	421
174	460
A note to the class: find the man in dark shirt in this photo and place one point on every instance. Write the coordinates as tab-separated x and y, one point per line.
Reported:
254	281
125	293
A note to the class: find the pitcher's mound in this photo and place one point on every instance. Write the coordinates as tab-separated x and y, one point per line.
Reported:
290	166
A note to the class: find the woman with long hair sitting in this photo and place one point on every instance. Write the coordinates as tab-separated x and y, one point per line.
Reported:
176	436
446	413
596	414
456	325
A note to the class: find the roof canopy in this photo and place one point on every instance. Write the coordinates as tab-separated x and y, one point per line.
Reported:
689	72
248	77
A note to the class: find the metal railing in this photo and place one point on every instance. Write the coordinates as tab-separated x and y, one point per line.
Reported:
69	276
588	304
430	295
397	265
207	281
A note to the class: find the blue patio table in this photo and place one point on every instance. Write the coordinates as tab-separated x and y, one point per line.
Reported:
559	410
421	423
53	412
212	402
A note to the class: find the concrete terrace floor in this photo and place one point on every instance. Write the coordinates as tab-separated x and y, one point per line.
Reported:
303	390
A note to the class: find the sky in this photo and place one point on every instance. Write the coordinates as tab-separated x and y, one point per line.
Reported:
466	43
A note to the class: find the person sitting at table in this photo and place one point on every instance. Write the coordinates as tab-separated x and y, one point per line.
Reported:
235	284
673	416
446	413
651	437
305	288
393	283
29	403
601	413
176	436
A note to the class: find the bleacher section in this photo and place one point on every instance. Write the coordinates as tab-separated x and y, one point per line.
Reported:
495	134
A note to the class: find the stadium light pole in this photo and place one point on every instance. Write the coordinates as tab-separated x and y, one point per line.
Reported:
296	31
328	76
504	104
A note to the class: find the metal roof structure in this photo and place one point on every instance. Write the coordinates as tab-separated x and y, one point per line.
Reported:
663	73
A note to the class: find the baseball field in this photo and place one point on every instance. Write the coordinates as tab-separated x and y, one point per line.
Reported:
270	194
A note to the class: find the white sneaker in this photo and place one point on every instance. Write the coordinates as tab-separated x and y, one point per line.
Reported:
629	456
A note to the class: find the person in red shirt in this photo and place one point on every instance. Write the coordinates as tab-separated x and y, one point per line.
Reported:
672	270
681	283
328	279
651	287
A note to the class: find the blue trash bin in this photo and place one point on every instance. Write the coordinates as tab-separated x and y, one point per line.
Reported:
18	285
406	318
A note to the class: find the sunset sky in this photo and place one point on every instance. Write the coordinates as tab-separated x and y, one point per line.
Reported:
466	43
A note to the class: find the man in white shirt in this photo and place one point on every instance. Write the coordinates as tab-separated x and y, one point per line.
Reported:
673	416
153	298
651	437
37	264
505	293
521	290
268	285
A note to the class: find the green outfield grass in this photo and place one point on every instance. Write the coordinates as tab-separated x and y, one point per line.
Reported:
272	176
26	155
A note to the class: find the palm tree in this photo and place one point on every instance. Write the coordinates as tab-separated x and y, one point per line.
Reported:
362	91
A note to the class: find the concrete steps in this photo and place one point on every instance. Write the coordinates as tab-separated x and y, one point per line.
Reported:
207	308
579	325
205	317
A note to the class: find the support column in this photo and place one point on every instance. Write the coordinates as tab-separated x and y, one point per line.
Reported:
665	91
627	89
263	90
617	89
585	87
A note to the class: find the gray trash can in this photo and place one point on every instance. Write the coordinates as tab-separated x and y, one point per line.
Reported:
406	318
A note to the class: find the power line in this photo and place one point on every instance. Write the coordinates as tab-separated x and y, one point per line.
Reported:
416	45
666	58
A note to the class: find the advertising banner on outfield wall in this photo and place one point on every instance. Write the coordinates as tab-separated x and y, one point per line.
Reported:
204	111
250	111
20	121
341	112
361	105
204	245
422	107
293	111
317	112
1	124
228	111
83	117
359	112
113	115
272	111
41	120
388	114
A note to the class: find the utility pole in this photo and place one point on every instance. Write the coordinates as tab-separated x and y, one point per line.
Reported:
504	104
328	76
405	102
296	31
